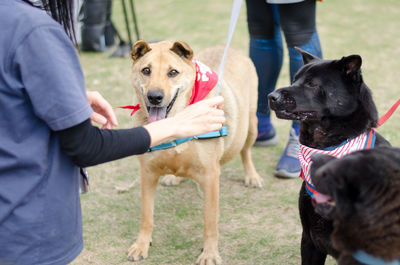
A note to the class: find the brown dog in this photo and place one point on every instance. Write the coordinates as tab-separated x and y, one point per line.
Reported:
163	77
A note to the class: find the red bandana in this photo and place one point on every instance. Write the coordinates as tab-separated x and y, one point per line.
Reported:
134	108
205	81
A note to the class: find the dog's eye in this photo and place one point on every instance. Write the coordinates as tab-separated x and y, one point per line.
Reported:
146	71
173	73
311	84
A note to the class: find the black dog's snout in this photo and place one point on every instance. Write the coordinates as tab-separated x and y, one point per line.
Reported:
155	97
281	100
274	96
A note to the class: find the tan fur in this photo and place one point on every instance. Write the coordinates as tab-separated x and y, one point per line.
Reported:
200	160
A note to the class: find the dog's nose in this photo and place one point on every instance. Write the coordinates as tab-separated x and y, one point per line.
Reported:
274	96
155	97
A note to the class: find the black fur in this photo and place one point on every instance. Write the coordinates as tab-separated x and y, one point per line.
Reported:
333	104
364	188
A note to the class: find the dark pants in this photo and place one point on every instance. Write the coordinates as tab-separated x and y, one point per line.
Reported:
265	22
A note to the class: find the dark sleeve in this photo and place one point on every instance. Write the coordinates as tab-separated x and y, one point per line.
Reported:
87	145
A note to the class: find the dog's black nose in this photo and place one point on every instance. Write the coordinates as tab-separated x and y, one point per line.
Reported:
155	96
274	96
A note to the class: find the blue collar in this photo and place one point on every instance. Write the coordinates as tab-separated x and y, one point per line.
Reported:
214	134
367	259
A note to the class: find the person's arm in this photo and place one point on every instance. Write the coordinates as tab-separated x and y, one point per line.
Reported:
204	116
87	145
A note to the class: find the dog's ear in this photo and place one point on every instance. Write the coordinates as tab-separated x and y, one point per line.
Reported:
351	66
318	162
139	49
182	49
307	57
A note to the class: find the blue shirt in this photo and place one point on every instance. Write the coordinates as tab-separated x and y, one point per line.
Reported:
41	91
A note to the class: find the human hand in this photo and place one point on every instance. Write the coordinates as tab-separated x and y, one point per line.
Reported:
204	116
103	112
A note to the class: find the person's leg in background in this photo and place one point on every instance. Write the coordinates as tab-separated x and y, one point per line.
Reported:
266	53
298	24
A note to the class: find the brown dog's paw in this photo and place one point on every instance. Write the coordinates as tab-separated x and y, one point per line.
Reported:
210	257
171	180
138	251
254	181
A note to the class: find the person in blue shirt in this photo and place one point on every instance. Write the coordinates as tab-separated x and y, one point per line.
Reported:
46	134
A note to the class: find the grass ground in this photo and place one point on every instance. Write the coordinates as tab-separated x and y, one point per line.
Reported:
257	226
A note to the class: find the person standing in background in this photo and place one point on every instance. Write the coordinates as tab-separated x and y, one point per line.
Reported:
266	19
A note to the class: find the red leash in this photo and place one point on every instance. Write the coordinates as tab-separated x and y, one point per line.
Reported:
385	117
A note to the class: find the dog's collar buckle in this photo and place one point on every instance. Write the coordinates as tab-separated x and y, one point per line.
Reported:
174	143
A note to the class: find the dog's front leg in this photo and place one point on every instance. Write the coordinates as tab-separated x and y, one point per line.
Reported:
139	250
210	185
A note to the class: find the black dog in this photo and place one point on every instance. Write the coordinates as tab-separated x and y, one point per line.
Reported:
333	105
362	192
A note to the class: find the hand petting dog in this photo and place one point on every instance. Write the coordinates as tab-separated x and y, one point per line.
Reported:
195	119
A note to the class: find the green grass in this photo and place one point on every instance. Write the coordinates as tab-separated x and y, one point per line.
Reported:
257	226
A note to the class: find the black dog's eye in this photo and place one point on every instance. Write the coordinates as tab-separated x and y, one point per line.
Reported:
311	84
146	71
173	73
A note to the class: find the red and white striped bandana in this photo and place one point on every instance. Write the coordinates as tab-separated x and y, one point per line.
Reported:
363	141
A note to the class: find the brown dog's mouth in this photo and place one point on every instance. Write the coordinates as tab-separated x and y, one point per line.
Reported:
158	113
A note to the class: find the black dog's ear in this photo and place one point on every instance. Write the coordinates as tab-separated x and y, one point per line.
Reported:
182	49
321	159
318	161
307	57
139	49
351	66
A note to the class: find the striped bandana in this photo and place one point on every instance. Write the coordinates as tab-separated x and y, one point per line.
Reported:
363	141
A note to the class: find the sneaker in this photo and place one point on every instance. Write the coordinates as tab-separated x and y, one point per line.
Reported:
289	165
266	132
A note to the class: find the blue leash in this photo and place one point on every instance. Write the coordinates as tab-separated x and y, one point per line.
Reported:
214	134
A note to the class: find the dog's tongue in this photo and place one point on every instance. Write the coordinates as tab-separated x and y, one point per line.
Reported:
156	114
321	198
